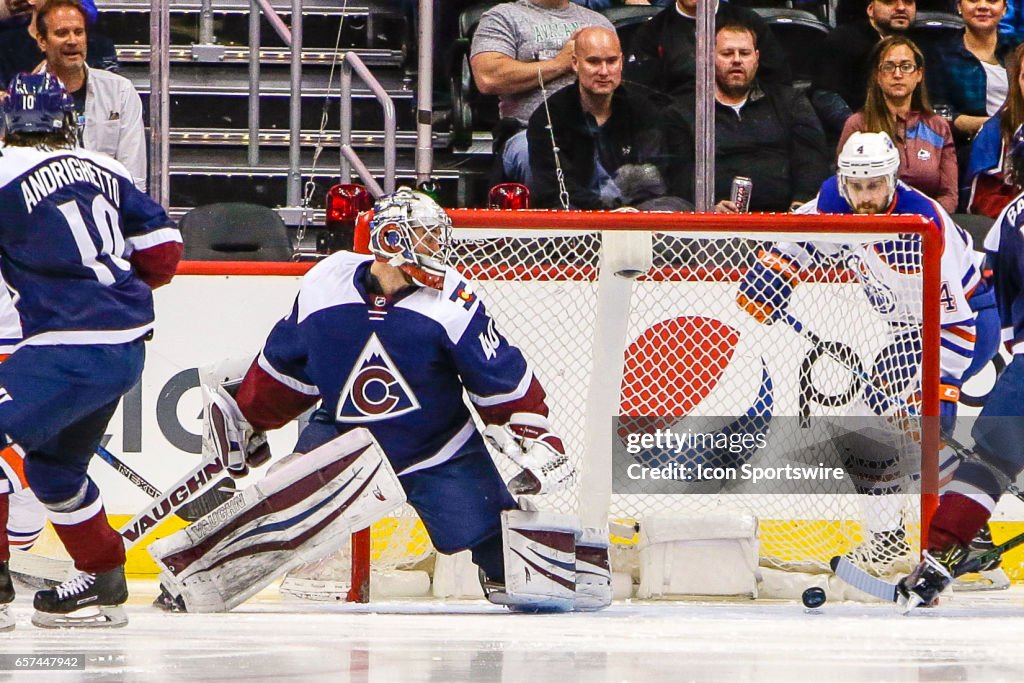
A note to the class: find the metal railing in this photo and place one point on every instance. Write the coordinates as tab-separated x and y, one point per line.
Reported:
292	37
349	158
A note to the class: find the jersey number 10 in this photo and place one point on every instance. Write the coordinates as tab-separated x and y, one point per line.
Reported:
107	223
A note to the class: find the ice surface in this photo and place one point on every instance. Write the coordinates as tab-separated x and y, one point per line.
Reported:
971	637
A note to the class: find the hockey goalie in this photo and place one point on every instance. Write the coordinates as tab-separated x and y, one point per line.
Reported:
388	343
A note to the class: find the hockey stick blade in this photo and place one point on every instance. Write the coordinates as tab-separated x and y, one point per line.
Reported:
862	581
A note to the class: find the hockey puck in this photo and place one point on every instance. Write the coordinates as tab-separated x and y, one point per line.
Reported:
813	597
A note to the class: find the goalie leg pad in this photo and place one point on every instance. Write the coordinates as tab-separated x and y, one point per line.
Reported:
593	571
540	561
295	515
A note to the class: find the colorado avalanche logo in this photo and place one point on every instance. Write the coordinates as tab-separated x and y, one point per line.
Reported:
375	389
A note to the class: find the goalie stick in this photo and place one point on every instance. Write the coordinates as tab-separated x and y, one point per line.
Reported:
861	580
200	490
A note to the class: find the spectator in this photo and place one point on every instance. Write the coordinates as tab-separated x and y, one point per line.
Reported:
990	176
1012	24
108	103
604	132
967	73
515	44
663	51
841	79
19	48
852	10
600	5
897	104
768	133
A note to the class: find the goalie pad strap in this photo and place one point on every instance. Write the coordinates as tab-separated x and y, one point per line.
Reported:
593	570
295	515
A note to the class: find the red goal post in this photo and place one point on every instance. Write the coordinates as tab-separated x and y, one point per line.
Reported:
539	226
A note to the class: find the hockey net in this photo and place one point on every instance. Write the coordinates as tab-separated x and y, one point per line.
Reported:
692	361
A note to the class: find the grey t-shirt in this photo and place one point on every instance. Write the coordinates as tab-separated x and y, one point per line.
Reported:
530	33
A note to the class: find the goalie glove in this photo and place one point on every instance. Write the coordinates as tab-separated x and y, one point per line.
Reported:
767	286
229	435
527	439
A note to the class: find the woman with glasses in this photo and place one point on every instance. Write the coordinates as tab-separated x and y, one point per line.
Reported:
897	104
967	73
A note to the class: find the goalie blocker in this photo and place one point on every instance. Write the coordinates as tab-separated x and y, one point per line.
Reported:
296	514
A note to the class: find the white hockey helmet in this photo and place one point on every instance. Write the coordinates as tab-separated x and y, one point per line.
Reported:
868	155
409	230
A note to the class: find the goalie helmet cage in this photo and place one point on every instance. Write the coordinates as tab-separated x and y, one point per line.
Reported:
685	348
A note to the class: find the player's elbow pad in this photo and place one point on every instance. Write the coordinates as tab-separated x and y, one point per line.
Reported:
156	265
766	287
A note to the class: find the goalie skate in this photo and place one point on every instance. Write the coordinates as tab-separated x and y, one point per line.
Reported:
85	601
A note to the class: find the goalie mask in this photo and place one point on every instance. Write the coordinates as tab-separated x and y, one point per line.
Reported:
38	104
867	172
410	231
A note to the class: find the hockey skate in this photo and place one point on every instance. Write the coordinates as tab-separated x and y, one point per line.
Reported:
932	576
990	576
494	591
168	602
884	554
86	601
6	598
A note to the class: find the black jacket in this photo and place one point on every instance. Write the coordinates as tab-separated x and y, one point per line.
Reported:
662	54
776	141
635	133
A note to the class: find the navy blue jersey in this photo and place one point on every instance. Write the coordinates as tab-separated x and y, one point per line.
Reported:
70	223
397	367
1005	245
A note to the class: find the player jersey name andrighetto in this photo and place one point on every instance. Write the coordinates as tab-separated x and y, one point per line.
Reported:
61	172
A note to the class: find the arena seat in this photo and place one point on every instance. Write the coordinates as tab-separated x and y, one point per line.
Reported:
234	231
801	34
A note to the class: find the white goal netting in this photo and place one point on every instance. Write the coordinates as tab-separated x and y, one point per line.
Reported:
834	386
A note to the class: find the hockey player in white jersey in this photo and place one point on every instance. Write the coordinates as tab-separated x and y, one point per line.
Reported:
390	342
866	183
